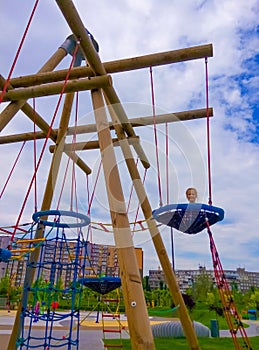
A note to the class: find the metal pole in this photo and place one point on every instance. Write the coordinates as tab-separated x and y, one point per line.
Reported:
172	246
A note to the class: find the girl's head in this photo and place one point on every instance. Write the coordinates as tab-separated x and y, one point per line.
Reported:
191	194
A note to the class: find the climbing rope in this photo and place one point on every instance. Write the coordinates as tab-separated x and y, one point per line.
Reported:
11	172
46	140
34	153
208	132
136	221
90	202
167	162
155	136
131	190
73	180
18	52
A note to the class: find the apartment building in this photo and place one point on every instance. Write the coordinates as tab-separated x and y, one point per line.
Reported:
97	260
240	278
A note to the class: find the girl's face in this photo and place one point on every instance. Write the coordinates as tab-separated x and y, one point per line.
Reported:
191	195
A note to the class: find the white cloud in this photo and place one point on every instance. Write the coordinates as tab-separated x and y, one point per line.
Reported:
132	28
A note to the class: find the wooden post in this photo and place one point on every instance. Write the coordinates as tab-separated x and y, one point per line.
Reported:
155	234
141	334
137	316
9	112
74	21
46	203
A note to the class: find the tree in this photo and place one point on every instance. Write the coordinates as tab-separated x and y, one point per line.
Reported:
254	300
146	285
202	285
5	285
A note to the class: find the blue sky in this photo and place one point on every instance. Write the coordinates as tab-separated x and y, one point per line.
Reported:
128	28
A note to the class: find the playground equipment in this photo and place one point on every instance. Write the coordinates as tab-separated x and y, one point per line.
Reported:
60	259
189	218
108	307
175	329
193	218
106	103
5	255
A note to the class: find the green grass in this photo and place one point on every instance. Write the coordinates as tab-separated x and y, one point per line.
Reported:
202	315
181	343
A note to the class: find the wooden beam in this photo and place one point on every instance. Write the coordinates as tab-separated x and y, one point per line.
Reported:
57	88
113	100
117	66
9	112
79	162
36	118
91	128
43	125
46	203
83	146
76	25
156	237
134	300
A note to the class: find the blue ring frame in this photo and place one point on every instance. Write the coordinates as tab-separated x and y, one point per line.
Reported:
84	219
173	214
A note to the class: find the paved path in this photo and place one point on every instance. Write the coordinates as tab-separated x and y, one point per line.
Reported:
251	331
91	332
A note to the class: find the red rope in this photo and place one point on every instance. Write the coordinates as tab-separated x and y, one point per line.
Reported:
73	185
208	132
74	149
167	189
167	162
35	154
45	142
137	212
155	135
18	52
131	190
14	165
90	230
92	196
63	183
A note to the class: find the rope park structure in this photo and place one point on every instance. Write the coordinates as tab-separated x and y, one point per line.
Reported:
50	227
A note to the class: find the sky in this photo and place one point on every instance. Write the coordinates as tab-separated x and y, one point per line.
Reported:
130	28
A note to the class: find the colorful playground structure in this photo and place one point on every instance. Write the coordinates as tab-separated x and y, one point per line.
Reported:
56	229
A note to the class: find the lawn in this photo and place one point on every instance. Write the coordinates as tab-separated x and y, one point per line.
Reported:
202	315
205	343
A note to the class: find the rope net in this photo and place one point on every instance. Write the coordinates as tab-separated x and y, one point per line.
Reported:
63	259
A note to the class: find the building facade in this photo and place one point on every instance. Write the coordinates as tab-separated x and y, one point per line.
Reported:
240	278
98	260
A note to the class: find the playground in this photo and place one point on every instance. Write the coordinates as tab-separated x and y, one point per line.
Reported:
99	168
91	334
